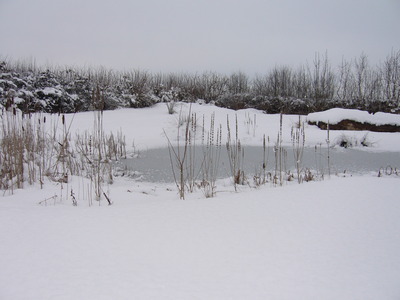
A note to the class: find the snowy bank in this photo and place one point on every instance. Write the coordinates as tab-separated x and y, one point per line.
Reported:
335	115
147	127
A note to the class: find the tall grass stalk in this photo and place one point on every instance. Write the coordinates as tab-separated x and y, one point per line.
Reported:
102	172
328	149
260	177
191	171
179	154
235	155
318	161
250	123
211	158
298	140
280	156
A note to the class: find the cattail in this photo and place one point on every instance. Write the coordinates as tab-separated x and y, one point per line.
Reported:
220	135
237	128
202	132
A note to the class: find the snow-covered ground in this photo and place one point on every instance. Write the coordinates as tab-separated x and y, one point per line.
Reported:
145	127
332	239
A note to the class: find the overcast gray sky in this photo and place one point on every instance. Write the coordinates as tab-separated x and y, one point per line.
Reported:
197	35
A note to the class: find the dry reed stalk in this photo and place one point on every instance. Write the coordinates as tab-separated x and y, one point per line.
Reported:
211	159
235	155
298	141
178	156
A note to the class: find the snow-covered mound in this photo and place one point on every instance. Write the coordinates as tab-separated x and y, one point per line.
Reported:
336	115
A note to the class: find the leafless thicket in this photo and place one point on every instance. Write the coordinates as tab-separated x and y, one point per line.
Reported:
316	85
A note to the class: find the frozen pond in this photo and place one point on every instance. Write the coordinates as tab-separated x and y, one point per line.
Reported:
154	165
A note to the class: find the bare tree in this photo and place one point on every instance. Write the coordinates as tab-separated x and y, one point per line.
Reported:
322	78
301	83
260	85
214	85
344	89
238	83
279	81
391	77
360	76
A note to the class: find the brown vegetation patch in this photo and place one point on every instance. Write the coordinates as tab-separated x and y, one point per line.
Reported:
354	125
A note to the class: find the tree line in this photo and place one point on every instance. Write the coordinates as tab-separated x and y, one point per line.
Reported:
310	87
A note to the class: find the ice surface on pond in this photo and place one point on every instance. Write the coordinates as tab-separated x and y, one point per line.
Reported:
155	165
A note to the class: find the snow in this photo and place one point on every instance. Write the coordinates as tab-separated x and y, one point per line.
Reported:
21	81
18	100
332	239
145	126
74	97
26	93
8	83
336	239
51	91
335	115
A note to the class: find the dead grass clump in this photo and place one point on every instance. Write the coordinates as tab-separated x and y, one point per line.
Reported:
31	150
388	171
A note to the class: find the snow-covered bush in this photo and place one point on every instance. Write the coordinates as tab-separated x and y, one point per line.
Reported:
346	141
234	101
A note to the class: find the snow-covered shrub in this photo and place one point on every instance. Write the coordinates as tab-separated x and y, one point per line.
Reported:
57	100
365	141
171	107
234	101
275	105
346	141
298	106
140	100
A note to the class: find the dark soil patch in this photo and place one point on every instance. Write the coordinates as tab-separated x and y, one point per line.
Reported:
354	125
